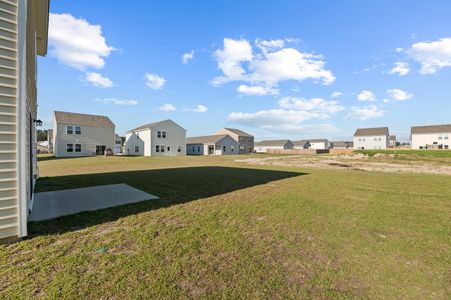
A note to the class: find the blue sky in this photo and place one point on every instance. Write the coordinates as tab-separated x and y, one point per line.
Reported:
277	69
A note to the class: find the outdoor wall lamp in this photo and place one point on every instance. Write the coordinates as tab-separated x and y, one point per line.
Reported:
38	122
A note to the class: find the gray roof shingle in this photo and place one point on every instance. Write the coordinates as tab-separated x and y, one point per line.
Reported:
206	139
82	119
371	131
444	128
272	143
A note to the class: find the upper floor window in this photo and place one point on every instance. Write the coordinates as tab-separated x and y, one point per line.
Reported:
163	134
77	130
379	139
69	129
440	137
445	137
158	134
375	139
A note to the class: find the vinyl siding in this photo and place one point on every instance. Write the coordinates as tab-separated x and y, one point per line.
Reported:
9	212
90	137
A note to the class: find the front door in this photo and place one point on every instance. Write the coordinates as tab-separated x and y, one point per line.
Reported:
211	150
100	150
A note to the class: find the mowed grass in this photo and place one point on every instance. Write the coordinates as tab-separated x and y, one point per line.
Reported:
228	230
412	153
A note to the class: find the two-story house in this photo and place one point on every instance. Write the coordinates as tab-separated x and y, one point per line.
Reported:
163	138
431	137
371	138
76	134
245	140
23	36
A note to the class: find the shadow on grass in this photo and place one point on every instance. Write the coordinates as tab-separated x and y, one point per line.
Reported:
173	186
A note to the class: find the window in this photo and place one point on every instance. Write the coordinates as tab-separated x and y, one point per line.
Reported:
198	148
231	148
168	148
445	137
158	134
136	149
157	148
70	147
69	129
224	148
440	137
161	148
363	140
379	139
360	140
163	134
179	149
375	139
77	130
445	147
77	147
194	149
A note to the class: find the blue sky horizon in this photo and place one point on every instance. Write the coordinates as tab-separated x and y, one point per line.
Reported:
286	69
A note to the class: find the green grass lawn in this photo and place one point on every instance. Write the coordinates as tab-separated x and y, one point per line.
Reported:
227	230
412	153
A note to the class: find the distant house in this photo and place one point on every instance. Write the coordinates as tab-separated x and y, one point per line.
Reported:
43	147
163	138
76	134
341	145
117	144
392	141
264	146
50	140
431	137
245	140
211	145
301	144
371	138
319	143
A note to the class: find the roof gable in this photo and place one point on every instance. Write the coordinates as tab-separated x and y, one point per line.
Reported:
444	128
371	131
82	119
238	132
151	125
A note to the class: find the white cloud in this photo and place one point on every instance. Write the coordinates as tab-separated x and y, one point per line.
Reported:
385	100
432	56
154	81
271	65
401	68
314	104
167	107
366	96
186	57
229	60
289	115
366	112
399	95
336	94
199	109
257	90
76	42
117	101
98	80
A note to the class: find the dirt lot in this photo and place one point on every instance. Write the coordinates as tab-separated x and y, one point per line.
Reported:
378	162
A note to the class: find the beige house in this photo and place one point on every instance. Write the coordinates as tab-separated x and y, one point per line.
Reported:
211	145
77	134
23	35
431	137
163	138
245	140
341	145
301	144
371	138
264	146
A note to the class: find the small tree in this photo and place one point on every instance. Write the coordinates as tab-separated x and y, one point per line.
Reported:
41	135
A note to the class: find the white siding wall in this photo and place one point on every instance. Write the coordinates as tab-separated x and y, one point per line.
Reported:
421	140
90	137
264	149
371	142
319	145
131	142
175	139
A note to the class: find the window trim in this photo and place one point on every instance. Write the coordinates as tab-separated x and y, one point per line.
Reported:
71	129
77	146
79	129
71	147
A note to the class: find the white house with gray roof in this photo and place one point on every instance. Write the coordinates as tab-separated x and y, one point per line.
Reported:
371	138
163	138
222	144
319	144
244	139
301	144
76	134
431	137
264	146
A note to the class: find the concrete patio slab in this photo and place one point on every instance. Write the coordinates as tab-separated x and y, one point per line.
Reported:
51	205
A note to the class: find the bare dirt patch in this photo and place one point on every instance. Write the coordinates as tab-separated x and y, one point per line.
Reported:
380	162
